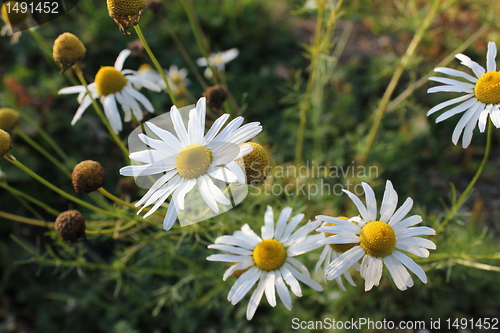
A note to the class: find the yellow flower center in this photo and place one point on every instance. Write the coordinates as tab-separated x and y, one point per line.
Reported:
144	67
193	161
487	89
12	14
339	247
269	255
125	7
109	80
378	239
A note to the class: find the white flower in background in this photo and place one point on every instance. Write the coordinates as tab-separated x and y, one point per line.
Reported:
331	252
269	261
177	78
15	20
379	240
189	158
218	60
112	84
481	99
312	4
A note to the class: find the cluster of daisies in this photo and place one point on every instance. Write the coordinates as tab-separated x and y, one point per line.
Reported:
186	159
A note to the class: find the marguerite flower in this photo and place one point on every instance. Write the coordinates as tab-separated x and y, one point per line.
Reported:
331	252
189	158
268	260
218	60
379	240
112	84
177	78
482	95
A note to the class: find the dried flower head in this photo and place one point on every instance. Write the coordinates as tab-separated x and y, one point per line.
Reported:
9	118
216	95
126	13
88	176
70	226
5	143
256	164
68	50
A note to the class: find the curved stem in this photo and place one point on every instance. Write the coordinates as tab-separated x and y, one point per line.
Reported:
44	152
461	200
155	62
37	202
116	199
380	111
99	112
58	190
26	220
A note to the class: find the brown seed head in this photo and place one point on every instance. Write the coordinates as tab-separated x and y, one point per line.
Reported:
68	50
216	95
88	176
70	226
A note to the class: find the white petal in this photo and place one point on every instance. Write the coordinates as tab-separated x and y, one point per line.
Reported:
283	292
231	249
495	116
291	227
121	59
72	90
476	68
303	278
457	109
182	191
81	109
446	88
216	192
166	136
361	208
401	212
463	122
291	281
255	299
389	202
171	216
371	202
399	274
112	113
483	118
140	97
469	128
454	72
412	266
239	290
206	194
448	103
267	229
179	126
216	126
373	272
416	231
223	174
270	288
491	65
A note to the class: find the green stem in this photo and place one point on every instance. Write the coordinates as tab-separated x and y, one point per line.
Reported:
461	200
100	113
380	111
46	136
155	62
44	152
306	103
26	220
58	190
37	202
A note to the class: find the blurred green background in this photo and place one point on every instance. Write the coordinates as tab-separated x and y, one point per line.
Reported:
157	281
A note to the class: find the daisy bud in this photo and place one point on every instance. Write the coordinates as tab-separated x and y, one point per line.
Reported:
216	95
68	50
11	16
9	118
5	143
88	176
70	226
126	13
256	164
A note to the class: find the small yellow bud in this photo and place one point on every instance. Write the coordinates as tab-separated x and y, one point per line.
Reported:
126	13
68	50
5	143
256	164
9	118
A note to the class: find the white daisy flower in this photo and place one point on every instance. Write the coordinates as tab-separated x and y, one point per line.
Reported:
331	252
177	78
218	60
379	240
112	84
268	260
482	95
190	158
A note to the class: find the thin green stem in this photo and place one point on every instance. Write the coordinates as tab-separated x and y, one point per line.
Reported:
58	190
37	202
46	136
26	220
410	51
461	200
116	199
44	152
155	62
100	113
306	102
